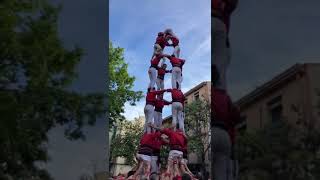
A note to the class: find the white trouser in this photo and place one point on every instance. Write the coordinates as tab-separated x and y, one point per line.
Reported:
175	154
148	112
176	113
160	84
220	52
176	51
153	77
176	77
144	157
157	118
221	154
154	164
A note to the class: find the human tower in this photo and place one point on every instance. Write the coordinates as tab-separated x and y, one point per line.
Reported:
155	135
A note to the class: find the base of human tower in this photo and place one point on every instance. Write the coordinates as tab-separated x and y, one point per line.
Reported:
173	165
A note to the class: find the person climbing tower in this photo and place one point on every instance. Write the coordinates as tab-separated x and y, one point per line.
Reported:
149	107
153	69
176	75
169	35
162	70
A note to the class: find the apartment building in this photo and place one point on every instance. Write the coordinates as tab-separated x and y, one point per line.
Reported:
295	89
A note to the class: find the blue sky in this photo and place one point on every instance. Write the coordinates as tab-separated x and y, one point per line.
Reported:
134	26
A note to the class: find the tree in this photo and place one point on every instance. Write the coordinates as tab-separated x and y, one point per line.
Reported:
126	140
281	150
35	72
120	85
119	88
197	121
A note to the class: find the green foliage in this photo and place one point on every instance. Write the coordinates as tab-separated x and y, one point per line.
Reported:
280	151
120	85
126	140
35	71
197	119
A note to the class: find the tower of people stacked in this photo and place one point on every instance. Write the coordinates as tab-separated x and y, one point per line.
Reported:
155	135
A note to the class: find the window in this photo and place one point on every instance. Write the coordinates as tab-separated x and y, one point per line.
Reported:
275	109
196	96
276	113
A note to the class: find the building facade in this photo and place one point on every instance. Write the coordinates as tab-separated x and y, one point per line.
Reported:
292	94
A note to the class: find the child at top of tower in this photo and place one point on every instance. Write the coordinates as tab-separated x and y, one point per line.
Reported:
169	35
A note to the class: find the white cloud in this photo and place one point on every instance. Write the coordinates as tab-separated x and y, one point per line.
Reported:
132	112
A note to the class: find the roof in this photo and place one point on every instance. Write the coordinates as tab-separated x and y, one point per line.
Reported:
197	87
276	82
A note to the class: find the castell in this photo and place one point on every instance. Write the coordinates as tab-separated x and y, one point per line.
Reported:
155	134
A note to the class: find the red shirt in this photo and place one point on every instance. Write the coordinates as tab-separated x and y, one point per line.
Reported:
177	95
151	96
157	143
155	61
176	62
159	104
147	143
161	40
224	111
174	39
162	72
177	139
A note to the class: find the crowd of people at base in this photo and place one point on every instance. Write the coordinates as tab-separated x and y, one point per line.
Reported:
148	166
225	114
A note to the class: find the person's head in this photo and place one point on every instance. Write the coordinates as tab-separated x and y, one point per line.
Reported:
151	89
172	55
164	66
160	96
186	176
160	34
168	31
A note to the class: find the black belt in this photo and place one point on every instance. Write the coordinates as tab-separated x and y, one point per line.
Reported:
154	66
161	77
176	147
158	110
